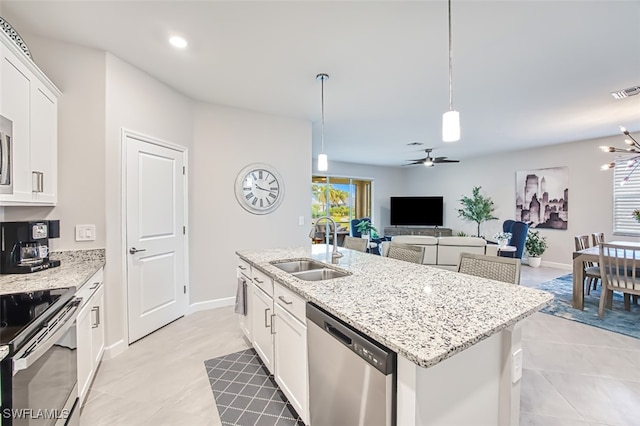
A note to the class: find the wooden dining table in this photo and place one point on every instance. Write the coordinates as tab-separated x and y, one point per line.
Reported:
591	254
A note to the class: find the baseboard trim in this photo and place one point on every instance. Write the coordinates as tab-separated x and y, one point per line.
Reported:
114	350
210	304
557	265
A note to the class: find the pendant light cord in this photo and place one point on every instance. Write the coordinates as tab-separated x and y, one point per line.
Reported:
450	64
322	103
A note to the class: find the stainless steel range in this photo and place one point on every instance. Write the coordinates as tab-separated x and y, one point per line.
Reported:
39	376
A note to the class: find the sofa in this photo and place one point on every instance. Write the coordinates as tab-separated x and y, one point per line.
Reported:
444	252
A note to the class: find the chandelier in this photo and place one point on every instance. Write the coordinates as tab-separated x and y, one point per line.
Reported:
634	148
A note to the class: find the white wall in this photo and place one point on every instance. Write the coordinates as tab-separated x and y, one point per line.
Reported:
590	190
387	182
79	74
136	102
225	141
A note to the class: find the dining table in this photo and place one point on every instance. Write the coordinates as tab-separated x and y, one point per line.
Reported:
591	254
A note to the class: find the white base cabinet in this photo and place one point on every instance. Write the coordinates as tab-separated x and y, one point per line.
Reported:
90	332
262	326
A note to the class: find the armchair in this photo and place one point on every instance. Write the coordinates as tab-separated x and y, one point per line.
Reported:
519	231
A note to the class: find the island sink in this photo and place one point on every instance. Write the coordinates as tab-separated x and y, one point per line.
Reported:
309	270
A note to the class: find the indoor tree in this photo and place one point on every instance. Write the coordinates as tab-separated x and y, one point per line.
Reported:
477	208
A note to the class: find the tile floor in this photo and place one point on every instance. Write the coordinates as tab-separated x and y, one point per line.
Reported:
573	374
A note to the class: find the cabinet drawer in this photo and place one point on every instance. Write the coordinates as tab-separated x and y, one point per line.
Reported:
244	268
91	286
291	302
262	280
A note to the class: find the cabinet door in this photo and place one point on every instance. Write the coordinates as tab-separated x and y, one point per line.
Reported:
85	356
261	320
44	130
291	360
97	327
15	87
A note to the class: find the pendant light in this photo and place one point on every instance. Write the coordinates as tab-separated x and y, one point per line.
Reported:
451	118
323	162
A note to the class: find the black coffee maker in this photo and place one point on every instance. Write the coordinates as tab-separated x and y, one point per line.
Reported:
24	246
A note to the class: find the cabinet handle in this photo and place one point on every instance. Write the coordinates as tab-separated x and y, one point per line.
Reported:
96	309
285	300
242	267
266	314
37	181
258	280
94	286
41	182
273	316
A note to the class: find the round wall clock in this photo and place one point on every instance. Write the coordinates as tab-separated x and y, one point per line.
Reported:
259	188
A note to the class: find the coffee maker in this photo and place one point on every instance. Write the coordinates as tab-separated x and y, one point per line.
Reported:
24	246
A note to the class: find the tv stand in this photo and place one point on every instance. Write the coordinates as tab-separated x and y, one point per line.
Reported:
391	231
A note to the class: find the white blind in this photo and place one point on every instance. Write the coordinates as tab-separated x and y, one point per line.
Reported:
626	199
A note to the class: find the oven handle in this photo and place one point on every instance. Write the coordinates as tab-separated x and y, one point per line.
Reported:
21	362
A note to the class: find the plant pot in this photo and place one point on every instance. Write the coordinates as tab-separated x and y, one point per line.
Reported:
534	261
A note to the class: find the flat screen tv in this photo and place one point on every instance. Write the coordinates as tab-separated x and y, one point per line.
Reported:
417	211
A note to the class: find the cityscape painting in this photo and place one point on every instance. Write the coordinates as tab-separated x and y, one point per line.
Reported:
542	197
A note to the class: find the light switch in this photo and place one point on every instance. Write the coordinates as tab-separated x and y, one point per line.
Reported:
85	232
301	221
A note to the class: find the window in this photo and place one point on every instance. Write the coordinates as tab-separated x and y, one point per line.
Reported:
341	198
626	199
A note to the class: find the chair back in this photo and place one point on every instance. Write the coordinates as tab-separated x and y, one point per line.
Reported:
405	252
506	225
492	267
354	243
598	237
582	242
519	231
353	231
620	268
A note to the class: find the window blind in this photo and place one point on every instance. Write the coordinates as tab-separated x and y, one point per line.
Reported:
626	199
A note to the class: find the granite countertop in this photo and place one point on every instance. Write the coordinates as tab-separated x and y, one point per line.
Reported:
76	267
423	313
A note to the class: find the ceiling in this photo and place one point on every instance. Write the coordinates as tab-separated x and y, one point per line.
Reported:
525	73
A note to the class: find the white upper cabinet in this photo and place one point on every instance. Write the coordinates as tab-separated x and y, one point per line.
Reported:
30	101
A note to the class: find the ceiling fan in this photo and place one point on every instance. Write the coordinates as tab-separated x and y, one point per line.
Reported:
430	161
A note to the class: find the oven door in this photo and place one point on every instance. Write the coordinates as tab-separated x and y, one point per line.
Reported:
44	381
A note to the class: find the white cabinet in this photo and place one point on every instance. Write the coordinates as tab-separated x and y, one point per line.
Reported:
90	332
262	325
244	273
30	101
291	349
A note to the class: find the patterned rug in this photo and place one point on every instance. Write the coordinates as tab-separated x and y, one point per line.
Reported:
246	394
617	320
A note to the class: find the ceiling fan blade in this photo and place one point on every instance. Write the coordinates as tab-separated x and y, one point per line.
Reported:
444	160
417	159
413	164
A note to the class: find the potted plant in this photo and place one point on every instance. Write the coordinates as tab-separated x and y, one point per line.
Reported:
477	208
502	238
535	246
367	229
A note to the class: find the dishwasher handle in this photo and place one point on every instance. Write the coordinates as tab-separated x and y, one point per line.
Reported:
346	340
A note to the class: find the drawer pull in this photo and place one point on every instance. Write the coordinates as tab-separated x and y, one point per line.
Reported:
242	267
94	286
258	280
286	302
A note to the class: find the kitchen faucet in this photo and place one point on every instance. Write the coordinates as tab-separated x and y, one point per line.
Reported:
336	254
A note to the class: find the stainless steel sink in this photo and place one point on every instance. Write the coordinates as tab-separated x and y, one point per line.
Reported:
320	274
298	265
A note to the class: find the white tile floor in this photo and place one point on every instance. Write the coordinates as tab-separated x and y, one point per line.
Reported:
574	374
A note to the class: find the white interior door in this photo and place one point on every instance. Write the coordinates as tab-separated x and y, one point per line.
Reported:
155	213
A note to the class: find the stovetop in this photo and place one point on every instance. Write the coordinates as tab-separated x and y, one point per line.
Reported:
22	314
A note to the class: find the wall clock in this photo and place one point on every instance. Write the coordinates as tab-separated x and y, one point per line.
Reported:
259	188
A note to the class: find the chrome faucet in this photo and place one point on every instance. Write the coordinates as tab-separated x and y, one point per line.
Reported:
335	255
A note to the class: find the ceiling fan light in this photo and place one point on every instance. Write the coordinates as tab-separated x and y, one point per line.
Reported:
451	126
428	162
323	163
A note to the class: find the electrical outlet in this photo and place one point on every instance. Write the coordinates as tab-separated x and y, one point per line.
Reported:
85	232
516	366
301	221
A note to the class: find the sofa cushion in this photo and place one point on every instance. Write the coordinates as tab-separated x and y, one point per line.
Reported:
430	245
462	241
449	248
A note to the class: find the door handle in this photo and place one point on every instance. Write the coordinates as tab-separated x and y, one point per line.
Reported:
134	250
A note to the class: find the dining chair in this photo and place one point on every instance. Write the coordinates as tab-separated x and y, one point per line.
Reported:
405	252
597	238
493	267
354	243
620	271
591	270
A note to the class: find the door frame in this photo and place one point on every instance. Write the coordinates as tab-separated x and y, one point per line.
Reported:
124	134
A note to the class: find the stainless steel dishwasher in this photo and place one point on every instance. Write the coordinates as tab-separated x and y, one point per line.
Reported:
352	379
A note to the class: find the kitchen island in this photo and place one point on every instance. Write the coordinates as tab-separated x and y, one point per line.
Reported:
458	337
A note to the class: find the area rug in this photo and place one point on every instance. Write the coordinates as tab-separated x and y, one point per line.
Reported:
246	394
617	320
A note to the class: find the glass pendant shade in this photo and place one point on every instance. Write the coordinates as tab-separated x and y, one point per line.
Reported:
323	163
451	126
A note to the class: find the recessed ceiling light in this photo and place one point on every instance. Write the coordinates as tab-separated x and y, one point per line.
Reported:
179	42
